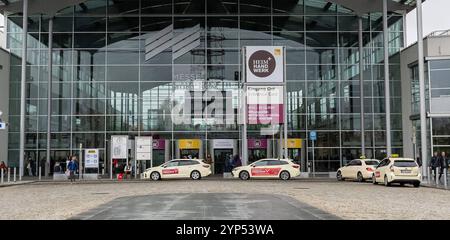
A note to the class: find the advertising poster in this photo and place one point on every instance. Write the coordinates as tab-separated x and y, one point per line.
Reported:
265	64
144	146
119	147
265	105
91	158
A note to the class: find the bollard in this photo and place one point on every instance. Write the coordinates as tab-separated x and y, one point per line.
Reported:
445	177
429	175
436	176
40	169
14	174
1	173
9	173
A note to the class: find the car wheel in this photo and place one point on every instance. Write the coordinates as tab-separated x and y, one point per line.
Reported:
360	177
284	175
195	175
416	184
374	180
155	176
244	175
386	182
339	176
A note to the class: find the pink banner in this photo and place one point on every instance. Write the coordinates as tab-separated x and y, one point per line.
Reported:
265	113
257	143
159	144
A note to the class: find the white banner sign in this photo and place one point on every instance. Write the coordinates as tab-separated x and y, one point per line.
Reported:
223	143
119	147
144	146
91	158
265	64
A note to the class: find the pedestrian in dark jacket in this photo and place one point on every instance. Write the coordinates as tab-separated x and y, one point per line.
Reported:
443	164
434	164
73	167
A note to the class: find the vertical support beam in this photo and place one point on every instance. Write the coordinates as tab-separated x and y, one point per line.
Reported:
244	105
49	93
387	93
423	120
361	84
280	143
285	109
23	88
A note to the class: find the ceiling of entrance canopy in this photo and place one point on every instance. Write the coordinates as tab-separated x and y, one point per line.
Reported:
191	6
131	20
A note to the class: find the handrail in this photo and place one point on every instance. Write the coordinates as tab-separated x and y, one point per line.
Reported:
439	33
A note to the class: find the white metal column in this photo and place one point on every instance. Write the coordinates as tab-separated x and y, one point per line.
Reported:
387	94
423	120
361	84
49	93
23	88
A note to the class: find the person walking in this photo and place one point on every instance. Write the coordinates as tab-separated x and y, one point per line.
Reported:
73	167
3	168
434	164
443	164
209	159
127	170
237	161
67	163
30	168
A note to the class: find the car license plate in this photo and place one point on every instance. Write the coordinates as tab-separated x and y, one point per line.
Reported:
405	171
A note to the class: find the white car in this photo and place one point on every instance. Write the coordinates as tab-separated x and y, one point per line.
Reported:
397	170
178	168
357	169
268	168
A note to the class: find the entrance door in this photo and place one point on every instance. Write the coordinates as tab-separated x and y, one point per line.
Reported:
295	154
256	154
185	153
158	158
221	158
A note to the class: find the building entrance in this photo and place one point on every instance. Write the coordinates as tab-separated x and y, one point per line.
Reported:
257	149
221	160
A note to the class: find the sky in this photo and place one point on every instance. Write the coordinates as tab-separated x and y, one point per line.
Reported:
435	17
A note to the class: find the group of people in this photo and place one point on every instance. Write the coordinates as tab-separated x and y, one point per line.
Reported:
441	162
125	169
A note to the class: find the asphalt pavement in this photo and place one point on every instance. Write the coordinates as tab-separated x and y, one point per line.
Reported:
206	206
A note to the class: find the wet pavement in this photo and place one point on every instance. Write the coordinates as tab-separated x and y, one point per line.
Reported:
206	206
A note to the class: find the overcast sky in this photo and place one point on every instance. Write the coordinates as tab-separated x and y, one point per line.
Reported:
435	17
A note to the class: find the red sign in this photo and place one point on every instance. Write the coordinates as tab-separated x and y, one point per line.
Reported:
265	171
169	171
257	143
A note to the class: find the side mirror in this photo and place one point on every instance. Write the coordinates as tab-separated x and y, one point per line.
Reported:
253	165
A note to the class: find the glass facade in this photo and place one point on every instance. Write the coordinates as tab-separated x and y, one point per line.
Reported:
437	92
114	73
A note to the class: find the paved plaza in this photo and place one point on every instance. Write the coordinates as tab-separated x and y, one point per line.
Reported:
219	199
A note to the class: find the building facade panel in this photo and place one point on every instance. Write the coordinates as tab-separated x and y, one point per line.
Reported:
122	68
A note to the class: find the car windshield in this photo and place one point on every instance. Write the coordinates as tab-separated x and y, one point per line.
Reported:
372	163
405	164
